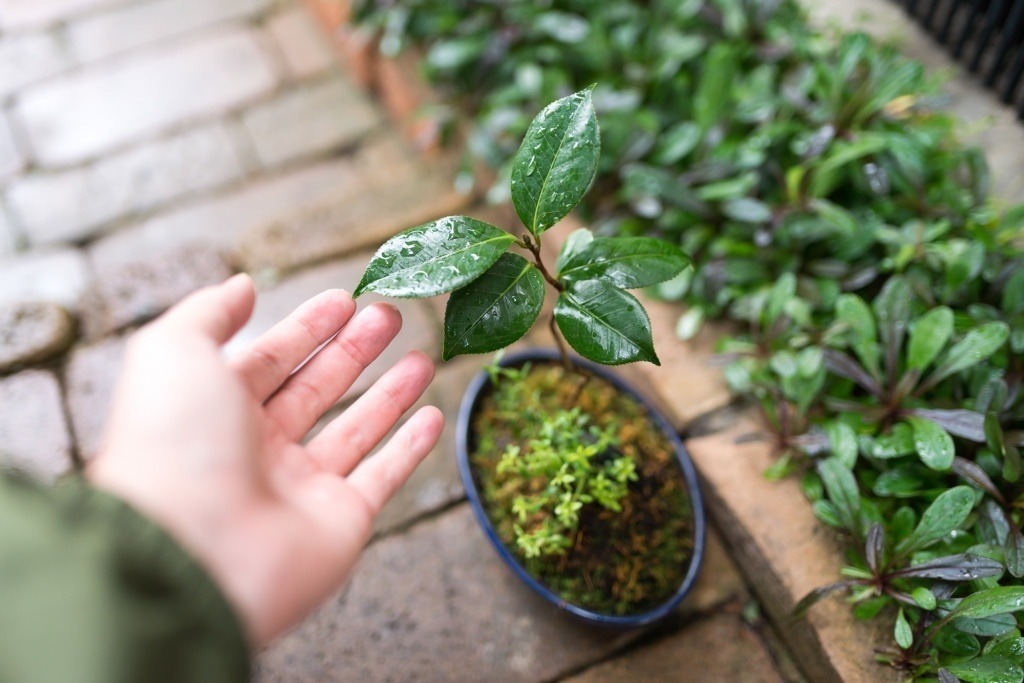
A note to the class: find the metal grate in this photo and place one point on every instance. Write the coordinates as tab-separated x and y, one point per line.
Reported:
987	36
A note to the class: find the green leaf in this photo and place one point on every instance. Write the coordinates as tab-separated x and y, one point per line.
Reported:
852	310
712	94
892	310
782	292
556	162
628	262
494	310
434	258
842	491
747	210
578	239
842	442
976	346
1011	648
946	513
605	324
904	636
987	669
932	443
924	598
956	643
1013	293
989	602
676	142
928	336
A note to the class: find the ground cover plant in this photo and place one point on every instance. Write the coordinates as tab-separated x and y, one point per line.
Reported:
830	211
579	481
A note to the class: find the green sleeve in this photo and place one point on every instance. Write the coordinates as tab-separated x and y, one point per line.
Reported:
91	591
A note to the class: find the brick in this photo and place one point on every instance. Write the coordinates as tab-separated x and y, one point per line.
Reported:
33	434
222	221
28	58
73	205
311	120
419	329
396	193
20	14
31	332
102	35
439	596
11	159
91	377
785	553
303	45
115	103
58	276
146	287
718	648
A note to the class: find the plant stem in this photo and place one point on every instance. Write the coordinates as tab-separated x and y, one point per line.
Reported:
534	248
560	343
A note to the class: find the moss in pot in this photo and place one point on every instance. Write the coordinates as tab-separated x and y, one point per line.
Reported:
584	488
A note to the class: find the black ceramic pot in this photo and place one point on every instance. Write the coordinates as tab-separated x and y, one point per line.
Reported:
464	440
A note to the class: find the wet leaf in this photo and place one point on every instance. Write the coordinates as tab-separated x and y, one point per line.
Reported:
874	547
1014	550
928	336
987	669
962	567
556	162
605	324
434	258
892	310
576	241
494	310
978	345
946	513
946	677
987	603
958	422
933	444
627	262
956	642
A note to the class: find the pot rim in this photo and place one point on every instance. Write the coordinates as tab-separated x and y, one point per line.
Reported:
469	400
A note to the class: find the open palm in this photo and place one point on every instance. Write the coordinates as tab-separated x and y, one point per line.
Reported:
212	448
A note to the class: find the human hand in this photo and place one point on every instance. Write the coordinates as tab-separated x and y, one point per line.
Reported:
211	448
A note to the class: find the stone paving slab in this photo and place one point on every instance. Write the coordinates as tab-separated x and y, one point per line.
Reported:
28	58
22	14
31	332
33	435
61	276
136	25
435	604
73	205
90	378
715	650
68	119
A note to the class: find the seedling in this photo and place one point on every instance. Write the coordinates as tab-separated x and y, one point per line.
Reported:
497	295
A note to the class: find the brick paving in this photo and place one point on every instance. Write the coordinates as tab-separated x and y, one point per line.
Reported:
149	147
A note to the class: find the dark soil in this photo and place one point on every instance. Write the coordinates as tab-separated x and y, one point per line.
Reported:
621	563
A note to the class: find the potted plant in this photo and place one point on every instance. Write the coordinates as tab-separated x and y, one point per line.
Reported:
581	485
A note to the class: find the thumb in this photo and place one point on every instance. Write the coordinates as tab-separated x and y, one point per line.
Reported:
217	312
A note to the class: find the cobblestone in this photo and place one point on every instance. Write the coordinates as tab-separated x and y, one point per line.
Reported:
72	205
32	332
90	379
302	44
112	104
135	25
332	115
33	434
27	58
8	237
60	276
